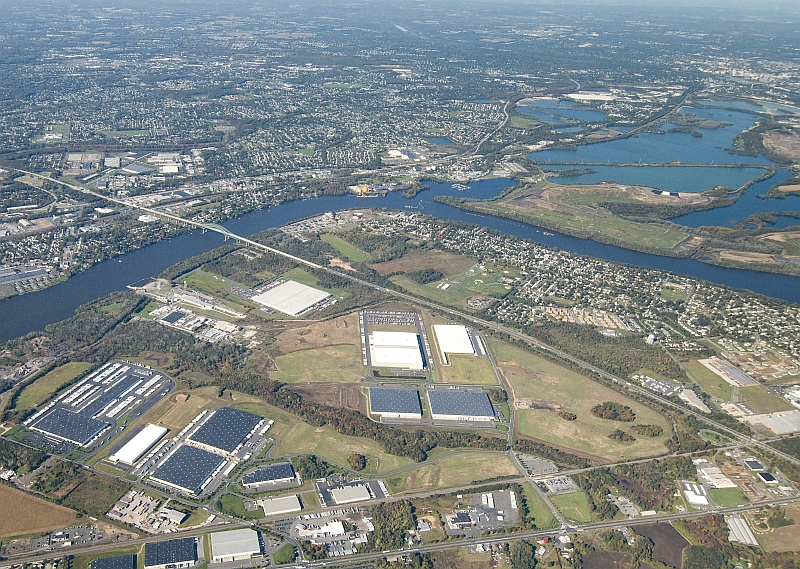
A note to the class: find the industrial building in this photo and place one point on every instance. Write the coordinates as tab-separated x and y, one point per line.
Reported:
72	427
118	562
280	505
172	554
453	339
272	475
291	298
395	403
226	430
189	469
350	494
234	545
138	445
460	405
396	350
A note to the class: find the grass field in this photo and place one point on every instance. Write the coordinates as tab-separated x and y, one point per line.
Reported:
711	383
725	497
284	555
762	400
446	263
532	377
31	515
462	559
342	330
302	438
352	253
785	538
585	221
573	506
234	505
458	470
330	364
538	512
468	369
37	391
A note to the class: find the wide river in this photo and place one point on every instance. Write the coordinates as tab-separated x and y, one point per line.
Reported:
22	314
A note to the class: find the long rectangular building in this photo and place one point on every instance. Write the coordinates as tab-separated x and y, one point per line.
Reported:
291	297
234	545
189	469
138	445
460	405
172	554
395	403
226	430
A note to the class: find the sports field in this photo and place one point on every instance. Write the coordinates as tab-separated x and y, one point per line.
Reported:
534	380
726	497
30	514
37	391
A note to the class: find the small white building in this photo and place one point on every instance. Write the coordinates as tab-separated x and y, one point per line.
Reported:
280	505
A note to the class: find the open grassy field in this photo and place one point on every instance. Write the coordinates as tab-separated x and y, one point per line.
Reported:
352	253
468	369
711	383
762	400
582	218
284	555
726	497
31	515
234	505
785	538
46	385
533	378
457	470
331	364
462	559
573	506
342	330
200	280
302	438
538	512
446	263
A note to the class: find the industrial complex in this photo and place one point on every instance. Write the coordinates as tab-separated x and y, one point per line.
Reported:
453	339
271	476
225	430
189	469
86	411
138	445
396	350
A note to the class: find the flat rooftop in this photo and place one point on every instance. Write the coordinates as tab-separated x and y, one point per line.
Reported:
349	494
280	505
291	297
235	543
70	426
386	400
118	562
170	551
226	429
188	468
460	403
138	445
270	473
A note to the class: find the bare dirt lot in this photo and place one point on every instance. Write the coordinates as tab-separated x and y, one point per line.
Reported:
31	514
446	263
785	143
747	257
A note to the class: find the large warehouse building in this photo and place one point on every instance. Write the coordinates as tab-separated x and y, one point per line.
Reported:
291	298
453	339
189	469
138	445
280	505
173	553
395	403
460	405
234	545
272	475
396	350
226	430
71	427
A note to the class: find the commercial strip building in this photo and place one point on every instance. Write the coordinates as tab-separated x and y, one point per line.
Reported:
453	339
396	350
235	545
171	554
291	298
138	445
395	403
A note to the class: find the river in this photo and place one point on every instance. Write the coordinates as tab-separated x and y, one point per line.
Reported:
33	311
